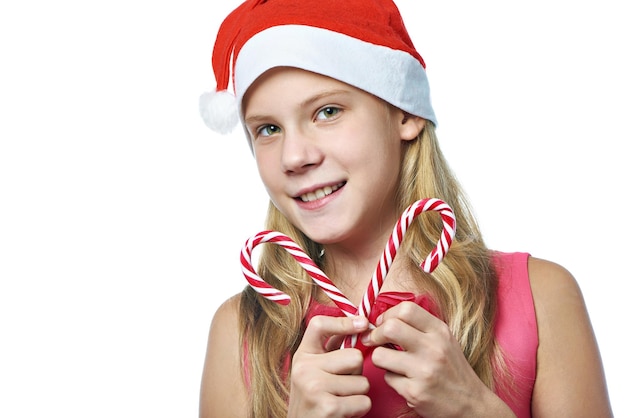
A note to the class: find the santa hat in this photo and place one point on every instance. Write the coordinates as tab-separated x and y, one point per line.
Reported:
363	43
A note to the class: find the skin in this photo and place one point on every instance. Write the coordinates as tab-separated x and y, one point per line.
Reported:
310	131
330	134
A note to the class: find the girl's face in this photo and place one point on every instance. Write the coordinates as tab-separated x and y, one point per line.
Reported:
329	154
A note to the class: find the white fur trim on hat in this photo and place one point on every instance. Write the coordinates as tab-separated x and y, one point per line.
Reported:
393	75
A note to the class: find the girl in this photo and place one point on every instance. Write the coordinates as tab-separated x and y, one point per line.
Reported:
336	107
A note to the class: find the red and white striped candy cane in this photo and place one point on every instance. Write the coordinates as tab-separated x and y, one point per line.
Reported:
318	276
429	264
431	261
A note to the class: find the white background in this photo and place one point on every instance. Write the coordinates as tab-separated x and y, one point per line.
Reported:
122	215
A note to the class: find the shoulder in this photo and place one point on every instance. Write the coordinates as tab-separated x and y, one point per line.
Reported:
222	389
558	300
549	279
556	294
224	332
226	316
570	376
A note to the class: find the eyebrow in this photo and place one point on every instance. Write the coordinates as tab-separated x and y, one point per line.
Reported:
322	95
307	102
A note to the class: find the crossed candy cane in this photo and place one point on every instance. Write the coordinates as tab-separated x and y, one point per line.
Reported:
429	264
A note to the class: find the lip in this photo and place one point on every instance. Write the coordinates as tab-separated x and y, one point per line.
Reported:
318	195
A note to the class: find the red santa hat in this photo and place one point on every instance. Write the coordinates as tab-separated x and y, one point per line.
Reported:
363	43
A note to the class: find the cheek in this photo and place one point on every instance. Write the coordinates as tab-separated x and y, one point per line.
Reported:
267	169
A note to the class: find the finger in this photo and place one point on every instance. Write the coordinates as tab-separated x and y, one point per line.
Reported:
323	333
343	406
335	374
406	326
356	406
395	362
348	385
395	333
335	363
413	314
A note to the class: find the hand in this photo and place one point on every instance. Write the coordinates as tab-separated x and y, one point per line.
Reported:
431	369
326	381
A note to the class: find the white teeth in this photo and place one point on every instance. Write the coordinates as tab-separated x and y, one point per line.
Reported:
318	194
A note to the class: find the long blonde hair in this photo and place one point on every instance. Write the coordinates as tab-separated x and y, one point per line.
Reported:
464	284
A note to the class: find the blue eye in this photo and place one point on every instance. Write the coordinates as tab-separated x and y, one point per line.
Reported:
268	130
328	112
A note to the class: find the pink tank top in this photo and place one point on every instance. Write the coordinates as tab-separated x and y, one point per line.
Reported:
515	331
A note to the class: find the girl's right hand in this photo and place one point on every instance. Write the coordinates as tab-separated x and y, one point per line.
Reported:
326	381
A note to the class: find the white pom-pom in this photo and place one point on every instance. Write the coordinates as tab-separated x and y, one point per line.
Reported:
219	111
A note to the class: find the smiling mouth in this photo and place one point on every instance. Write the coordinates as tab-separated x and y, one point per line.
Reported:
320	193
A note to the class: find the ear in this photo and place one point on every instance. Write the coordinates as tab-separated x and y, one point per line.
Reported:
411	126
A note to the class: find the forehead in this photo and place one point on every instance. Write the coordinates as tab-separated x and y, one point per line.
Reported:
287	82
293	82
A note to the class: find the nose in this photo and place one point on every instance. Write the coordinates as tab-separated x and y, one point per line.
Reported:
300	152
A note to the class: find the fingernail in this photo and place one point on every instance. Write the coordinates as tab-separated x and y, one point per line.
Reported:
359	322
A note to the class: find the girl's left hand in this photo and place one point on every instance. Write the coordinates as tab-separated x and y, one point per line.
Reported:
431	369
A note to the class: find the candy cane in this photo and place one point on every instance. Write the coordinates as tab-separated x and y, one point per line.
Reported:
318	276
429	264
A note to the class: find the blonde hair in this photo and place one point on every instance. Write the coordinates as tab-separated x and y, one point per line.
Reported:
464	284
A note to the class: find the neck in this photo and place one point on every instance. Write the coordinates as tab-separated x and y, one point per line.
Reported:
351	268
